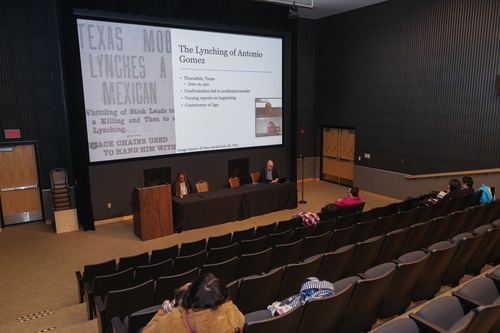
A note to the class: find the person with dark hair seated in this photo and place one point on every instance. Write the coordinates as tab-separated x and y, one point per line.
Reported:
453	192
181	186
204	308
467	184
352	198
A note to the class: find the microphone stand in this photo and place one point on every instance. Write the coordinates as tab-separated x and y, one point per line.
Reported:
302	201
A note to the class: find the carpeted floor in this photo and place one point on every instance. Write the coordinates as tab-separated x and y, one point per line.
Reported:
37	266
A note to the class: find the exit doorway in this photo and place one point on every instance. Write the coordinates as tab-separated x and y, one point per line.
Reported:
338	155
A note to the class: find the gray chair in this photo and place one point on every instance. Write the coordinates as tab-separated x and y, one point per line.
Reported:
279	238
401	325
258	291
295	274
334	264
315	245
249	246
186	263
391	247
135	321
286	323
285	254
255	263
226	270
365	255
480	257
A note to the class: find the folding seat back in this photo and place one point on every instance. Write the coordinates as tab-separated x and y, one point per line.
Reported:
409	268
92	270
302	232
159	255
285	254
363	231
240	235
218	241
285	323
436	230
334	264
404	219
365	255
340	238
186	263
315	245
431	279
152	271
467	246
190	248
258	291
249	246
121	303
415	237
278	238
490	240
384	224
287	224
219	254
166	285
369	291
344	221
391	247
295	274
101	285
401	325
323	227
314	318
135	321
226	270
255	263
133	261
265	230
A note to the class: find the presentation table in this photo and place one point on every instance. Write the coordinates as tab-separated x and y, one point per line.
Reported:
199	210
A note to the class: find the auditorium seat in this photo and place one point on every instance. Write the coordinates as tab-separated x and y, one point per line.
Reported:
344	221
278	238
468	243
166	285
286	323
102	284
190	248
369	291
431	279
92	270
133	261
255	263
363	231
302	232
159	255
365	255
295	274
401	325
436	230
384	224
391	247
324	226
256	292
121	303
249	246
404	219
219	254
334	264
288	224
152	271
409	268
340	238
324	314
315	245
284	254
135	321
459	218
225	270
415	237
186	263
265	230
218	241
490	240
240	235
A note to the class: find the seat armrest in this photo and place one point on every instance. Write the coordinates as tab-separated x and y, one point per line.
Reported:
468	303
426	325
117	325
89	300
79	282
100	312
363	276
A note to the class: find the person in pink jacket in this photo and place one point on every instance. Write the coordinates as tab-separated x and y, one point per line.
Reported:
352	198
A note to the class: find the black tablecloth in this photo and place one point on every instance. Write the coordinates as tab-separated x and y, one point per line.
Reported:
198	210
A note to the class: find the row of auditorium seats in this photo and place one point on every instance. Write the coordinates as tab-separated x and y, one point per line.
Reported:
473	308
416	275
198	243
380	292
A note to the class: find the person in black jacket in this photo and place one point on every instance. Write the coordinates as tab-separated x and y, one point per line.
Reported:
269	173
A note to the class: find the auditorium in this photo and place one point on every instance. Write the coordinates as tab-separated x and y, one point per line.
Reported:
104	103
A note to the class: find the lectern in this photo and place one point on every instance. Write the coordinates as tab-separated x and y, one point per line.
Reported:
152	209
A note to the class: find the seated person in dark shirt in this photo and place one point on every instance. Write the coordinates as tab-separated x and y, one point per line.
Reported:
269	173
467	184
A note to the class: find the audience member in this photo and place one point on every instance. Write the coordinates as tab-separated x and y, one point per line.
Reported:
269	173
182	185
453	192
352	198
467	184
204	308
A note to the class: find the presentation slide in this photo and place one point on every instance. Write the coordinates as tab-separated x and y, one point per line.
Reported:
152	91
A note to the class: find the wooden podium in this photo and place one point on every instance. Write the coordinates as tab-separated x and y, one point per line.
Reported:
152	209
